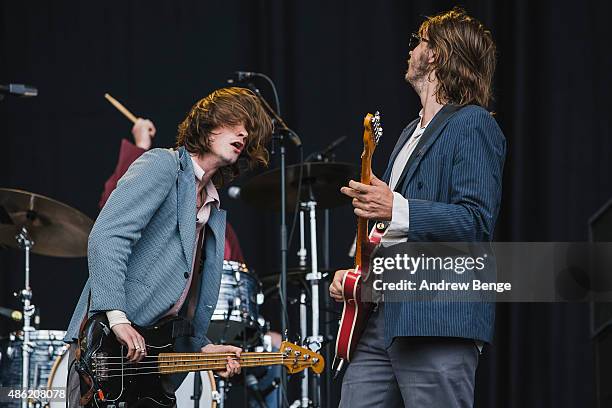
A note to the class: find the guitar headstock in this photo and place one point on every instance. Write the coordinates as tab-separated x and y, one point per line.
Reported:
372	131
296	358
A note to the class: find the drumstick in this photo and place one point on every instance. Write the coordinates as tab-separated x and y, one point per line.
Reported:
121	108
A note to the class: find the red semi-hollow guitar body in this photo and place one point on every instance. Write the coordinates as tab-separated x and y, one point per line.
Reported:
356	312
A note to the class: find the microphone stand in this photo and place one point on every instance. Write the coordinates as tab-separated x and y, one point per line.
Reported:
281	131
279	135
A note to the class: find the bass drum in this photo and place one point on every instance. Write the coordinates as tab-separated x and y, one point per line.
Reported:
184	395
208	396
57	379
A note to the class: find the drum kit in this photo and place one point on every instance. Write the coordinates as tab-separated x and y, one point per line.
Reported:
32	223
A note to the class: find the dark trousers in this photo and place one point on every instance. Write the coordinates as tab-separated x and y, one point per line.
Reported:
413	372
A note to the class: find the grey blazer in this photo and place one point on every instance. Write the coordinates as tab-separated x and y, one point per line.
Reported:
140	249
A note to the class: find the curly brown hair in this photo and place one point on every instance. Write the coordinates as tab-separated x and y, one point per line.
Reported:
228	107
464	57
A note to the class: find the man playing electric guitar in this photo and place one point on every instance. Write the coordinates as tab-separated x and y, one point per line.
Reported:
156	249
443	183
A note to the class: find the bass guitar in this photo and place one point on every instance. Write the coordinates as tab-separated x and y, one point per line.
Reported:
355	312
113	381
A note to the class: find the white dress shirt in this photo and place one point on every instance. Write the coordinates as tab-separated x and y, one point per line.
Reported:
397	230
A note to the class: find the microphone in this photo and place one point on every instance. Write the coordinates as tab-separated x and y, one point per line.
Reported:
253	388
234	192
333	145
241	76
19	90
295	139
323	153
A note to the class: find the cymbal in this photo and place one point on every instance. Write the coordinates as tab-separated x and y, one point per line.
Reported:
321	182
56	228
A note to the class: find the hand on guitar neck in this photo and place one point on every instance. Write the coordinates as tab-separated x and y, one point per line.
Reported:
373	202
233	366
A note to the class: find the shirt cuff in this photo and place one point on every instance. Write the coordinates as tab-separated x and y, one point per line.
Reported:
116	317
400	218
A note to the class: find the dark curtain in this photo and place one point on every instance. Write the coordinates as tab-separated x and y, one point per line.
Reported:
332	63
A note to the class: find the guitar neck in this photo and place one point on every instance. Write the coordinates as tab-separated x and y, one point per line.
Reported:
170	363
362	223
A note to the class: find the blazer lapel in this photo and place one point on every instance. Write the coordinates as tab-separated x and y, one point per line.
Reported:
406	133
216	223
186	204
427	139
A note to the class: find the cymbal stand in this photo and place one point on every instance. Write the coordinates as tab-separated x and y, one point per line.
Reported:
222	388
315	340
26	243
304	333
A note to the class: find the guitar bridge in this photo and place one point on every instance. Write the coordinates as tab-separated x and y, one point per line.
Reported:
99	366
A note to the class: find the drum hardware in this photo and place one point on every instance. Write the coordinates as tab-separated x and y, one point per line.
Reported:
57	229
46	350
37	224
24	241
304	334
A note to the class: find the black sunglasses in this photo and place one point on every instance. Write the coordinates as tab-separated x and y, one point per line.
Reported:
415	40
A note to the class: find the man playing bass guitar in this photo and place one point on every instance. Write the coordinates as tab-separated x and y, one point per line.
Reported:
156	249
443	183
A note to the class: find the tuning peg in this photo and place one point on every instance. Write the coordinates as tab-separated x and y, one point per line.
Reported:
286	335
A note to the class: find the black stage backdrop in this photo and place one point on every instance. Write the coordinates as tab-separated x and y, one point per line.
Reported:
332	62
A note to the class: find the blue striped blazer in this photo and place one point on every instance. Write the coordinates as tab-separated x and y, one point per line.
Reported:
453	185
140	249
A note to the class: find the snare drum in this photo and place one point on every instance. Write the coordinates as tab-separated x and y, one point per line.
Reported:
237	311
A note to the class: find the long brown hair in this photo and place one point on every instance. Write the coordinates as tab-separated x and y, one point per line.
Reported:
227	107
464	57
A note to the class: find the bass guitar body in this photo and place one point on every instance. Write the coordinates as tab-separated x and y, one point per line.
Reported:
115	380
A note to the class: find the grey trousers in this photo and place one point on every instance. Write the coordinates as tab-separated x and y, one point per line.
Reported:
414	372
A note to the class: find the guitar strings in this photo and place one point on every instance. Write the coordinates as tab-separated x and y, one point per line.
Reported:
196	355
183	365
195	367
158	372
181	362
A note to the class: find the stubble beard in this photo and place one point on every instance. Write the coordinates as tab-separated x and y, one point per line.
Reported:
418	78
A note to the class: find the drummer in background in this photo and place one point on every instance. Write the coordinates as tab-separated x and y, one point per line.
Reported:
143	132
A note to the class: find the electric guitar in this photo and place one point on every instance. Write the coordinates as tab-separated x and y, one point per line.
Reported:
113	381
355	313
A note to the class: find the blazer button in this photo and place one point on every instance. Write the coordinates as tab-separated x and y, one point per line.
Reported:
420	185
186	275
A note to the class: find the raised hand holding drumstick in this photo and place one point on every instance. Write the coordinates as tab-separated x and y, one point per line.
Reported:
143	129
